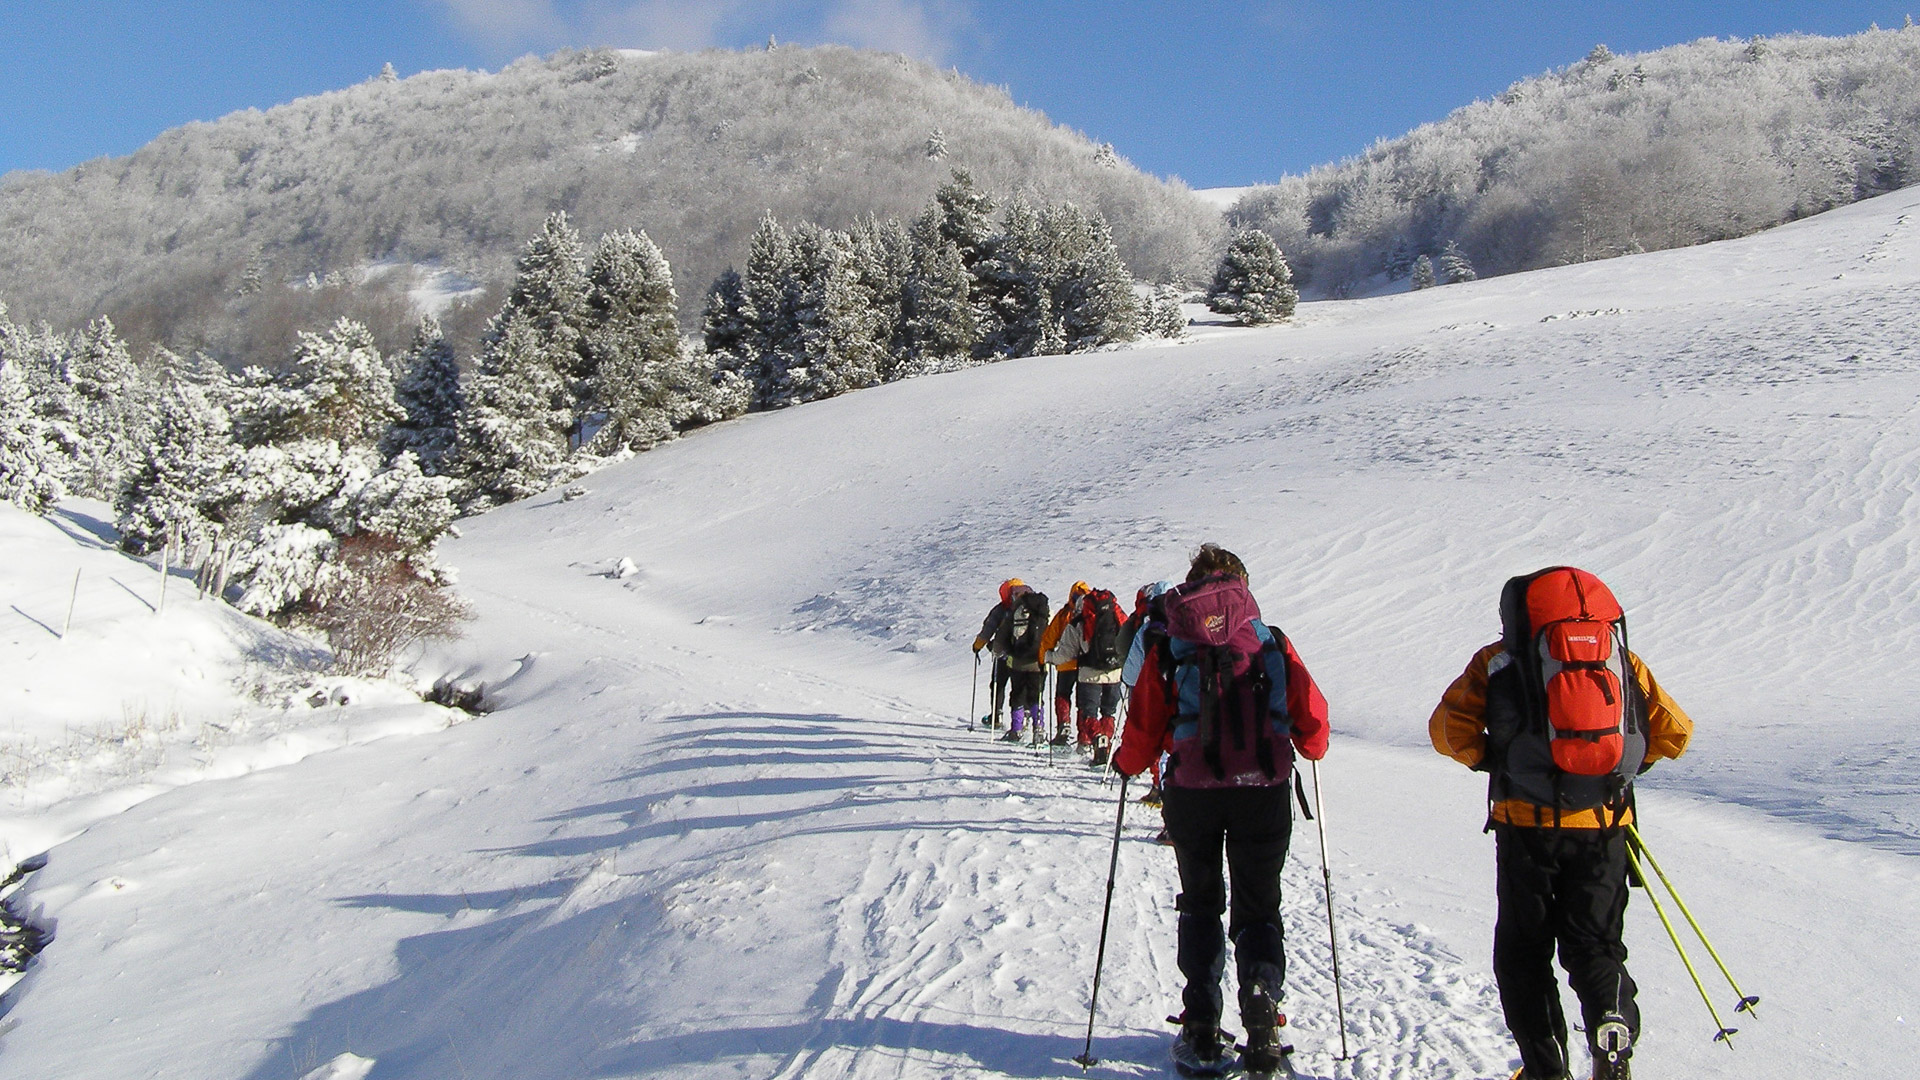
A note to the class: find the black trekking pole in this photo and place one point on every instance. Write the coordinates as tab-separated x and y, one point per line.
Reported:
1326	881
973	703
1086	1060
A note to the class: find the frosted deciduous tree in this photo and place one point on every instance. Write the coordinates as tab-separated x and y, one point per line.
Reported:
1253	283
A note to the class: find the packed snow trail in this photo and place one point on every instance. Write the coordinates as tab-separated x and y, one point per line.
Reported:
726	821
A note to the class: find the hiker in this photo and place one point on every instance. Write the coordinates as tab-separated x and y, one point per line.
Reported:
1090	640
1065	673
1228	697
1561	738
1014	639
989	629
1149	620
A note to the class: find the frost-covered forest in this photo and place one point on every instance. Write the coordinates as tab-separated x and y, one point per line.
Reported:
232	236
1613	154
315	491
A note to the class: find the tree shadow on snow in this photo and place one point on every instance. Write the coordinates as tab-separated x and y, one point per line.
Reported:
534	997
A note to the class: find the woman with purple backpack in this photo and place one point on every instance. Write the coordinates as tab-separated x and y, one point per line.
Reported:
1228	699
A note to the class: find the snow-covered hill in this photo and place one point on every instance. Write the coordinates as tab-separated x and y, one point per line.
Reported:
726	820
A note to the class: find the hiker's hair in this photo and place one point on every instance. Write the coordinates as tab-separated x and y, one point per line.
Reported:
1213	559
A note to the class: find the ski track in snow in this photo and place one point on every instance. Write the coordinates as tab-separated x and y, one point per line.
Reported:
724	823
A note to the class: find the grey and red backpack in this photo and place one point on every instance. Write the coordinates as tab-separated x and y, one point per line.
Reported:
1566	718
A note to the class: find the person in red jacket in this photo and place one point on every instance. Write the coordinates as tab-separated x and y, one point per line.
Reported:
1230	702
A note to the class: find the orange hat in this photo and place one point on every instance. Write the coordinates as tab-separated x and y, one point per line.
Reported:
1007	587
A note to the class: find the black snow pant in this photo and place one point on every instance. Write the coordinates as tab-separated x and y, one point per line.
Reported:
1026	688
1567	886
1254	824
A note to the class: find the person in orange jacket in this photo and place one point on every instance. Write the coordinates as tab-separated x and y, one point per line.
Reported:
1552	715
1199	697
1066	673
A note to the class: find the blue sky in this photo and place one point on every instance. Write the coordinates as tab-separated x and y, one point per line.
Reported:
1216	93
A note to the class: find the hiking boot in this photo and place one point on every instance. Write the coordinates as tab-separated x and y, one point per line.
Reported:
1522	1074
1163	837
1012	735
1152	797
1199	1052
1099	752
1061	738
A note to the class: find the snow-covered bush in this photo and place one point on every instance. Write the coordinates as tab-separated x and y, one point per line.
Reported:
375	602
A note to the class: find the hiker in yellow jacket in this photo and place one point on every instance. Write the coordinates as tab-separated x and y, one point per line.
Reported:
1562	717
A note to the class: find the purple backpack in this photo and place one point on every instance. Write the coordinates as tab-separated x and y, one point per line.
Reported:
1225	733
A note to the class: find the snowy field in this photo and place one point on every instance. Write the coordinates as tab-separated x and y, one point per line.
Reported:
726	819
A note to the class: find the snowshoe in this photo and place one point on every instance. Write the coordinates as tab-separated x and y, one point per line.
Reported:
1263	1054
1200	1051
1099	759
1013	735
1061	738
1612	1043
1163	837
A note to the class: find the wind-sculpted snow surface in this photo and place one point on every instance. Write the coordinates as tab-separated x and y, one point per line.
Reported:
726	819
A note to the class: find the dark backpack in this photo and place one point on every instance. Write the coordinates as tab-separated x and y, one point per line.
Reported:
1100	631
1566	719
1224	677
1019	636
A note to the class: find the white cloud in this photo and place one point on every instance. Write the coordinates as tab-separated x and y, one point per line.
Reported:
510	23
923	28
914	27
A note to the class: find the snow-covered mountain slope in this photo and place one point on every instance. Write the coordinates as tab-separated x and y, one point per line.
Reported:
726	820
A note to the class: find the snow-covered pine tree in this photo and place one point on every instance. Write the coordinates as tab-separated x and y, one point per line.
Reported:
1164	317
176	486
29	460
431	400
834	350
1014	288
337	388
110	409
939	327
514	434
1092	290
767	308
1253	283
936	144
1422	275
549	297
645	382
883	261
723	323
1454	266
966	217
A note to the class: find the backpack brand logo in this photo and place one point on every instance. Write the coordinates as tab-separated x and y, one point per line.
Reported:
1215	623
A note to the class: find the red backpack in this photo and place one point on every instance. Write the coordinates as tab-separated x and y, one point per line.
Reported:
1581	732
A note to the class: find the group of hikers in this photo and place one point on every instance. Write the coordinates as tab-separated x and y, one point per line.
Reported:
1558	712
